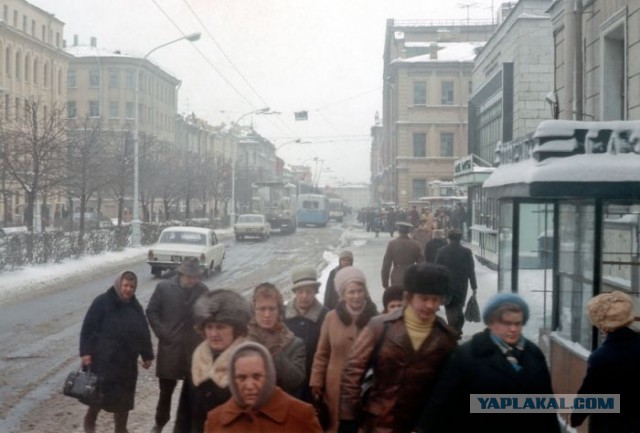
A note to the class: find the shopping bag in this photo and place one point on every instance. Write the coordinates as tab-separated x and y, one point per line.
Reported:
84	386
472	310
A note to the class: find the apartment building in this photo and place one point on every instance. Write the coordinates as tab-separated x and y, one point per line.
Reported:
33	67
427	76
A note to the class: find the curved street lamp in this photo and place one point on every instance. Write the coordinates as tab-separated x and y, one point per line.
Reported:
135	223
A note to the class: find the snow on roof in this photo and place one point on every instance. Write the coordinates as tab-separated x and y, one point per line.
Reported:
576	168
89	51
448	52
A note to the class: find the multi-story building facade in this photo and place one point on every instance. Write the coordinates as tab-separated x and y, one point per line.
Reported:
33	67
255	162
427	75
512	79
597	59
377	162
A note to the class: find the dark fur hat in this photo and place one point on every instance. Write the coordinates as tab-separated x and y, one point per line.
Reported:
427	279
222	306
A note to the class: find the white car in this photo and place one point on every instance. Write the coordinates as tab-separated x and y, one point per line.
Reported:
177	242
252	224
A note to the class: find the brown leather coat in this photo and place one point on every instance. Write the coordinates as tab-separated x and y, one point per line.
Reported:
404	377
401	253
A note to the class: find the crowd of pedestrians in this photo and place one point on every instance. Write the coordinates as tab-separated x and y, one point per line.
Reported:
340	366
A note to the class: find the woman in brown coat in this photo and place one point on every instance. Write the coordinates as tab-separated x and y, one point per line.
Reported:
339	330
257	405
415	343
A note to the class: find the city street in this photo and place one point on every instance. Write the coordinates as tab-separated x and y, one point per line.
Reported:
39	336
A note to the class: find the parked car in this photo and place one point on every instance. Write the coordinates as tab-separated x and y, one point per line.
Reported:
178	242
252	224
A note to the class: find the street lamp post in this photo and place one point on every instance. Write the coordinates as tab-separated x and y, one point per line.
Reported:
136	236
232	214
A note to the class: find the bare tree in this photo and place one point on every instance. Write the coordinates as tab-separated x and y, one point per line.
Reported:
120	162
33	151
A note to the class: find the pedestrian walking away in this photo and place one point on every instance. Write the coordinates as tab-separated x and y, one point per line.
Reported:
170	314
496	361
304	315
114	336
267	328
412	345
401	253
222	317
257	405
459	261
339	330
613	367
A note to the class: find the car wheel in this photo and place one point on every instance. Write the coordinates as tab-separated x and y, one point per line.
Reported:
218	267
156	271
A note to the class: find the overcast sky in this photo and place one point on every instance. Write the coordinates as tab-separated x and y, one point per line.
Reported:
322	56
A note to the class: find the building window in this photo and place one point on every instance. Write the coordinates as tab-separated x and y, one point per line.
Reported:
24	23
44	33
94	109
420	93
419	188
45	75
15	18
130	79
60	82
57	39
33	28
446	144
6	107
614	71
5	13
71	79
447	93
129	110
36	71
18	66
419	144
113	110
27	69
114	78
94	78
7	61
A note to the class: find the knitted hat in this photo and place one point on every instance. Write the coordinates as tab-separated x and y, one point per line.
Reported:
304	276
345	276
427	279
502	299
611	311
393	293
222	306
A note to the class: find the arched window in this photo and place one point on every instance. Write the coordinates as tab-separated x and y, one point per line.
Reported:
7	61
36	70
1	59
60	81
45	80
18	65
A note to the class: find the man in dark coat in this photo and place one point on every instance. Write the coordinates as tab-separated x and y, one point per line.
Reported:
170	314
459	261
331	297
304	315
497	361
114	335
401	253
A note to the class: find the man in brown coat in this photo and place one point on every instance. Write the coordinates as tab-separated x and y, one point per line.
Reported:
412	345
401	253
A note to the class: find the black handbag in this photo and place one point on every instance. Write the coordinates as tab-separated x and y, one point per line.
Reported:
369	377
472	310
322	412
84	386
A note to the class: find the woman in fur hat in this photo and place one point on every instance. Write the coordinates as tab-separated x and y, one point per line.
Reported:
613	367
339	330
222	317
257	405
267	328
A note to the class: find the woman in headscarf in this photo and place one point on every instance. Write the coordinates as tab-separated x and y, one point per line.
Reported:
339	330
222	317
267	328
114	335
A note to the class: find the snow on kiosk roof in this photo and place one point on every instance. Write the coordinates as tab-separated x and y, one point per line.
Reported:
567	158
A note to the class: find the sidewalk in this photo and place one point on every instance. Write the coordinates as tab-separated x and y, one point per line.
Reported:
368	252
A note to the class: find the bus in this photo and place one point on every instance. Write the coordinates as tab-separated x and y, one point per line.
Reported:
336	209
313	209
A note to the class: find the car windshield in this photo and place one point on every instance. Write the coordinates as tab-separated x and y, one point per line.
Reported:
176	237
250	219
